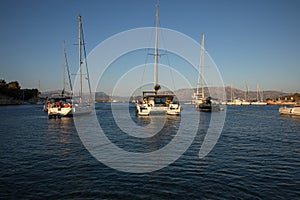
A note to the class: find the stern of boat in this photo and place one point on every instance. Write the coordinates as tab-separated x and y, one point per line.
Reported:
142	109
174	109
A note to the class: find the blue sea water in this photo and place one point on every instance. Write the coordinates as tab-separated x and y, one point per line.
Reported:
256	157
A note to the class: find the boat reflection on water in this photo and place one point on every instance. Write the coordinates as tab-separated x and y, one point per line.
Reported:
61	137
63	126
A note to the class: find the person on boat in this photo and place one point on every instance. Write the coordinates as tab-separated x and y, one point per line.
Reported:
208	101
67	105
51	105
168	102
57	104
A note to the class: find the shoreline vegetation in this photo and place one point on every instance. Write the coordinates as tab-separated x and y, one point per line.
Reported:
12	94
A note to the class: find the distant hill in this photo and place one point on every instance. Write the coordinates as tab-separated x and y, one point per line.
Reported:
252	95
99	96
187	94
49	93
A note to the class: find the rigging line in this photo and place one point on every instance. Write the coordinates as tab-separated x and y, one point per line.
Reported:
168	60
171	72
143	74
67	66
151	40
85	59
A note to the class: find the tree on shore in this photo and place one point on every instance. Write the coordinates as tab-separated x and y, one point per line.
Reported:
14	85
13	90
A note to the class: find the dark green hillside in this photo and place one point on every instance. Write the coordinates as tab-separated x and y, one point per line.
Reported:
11	93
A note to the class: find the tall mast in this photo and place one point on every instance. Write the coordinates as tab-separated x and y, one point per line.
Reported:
202	65
262	94
85	59
257	90
64	89
246	89
156	86
80	54
231	95
198	81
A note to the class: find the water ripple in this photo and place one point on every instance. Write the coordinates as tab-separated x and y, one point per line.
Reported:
256	157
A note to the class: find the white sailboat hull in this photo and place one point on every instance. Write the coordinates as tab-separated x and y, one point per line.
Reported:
235	102
290	110
259	103
245	103
174	109
146	110
143	109
60	112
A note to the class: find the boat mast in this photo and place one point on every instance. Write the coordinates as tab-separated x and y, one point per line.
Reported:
261	93
156	86
85	59
257	91
64	89
246	90
231	95
80	54
202	66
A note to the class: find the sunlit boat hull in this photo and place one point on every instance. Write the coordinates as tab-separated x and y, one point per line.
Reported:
290	110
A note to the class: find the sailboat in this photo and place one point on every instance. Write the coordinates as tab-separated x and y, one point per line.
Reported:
82	102
63	105
233	101
245	102
153	101
202	103
60	105
259	101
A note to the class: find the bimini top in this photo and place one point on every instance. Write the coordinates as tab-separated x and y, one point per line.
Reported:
152	93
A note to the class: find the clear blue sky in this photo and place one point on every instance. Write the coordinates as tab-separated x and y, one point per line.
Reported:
252	40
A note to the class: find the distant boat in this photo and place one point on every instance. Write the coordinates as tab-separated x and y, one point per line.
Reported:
294	110
235	102
202	103
238	101
259	101
231	102
152	101
245	101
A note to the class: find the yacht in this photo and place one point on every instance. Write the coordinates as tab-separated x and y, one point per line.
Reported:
293	110
153	101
